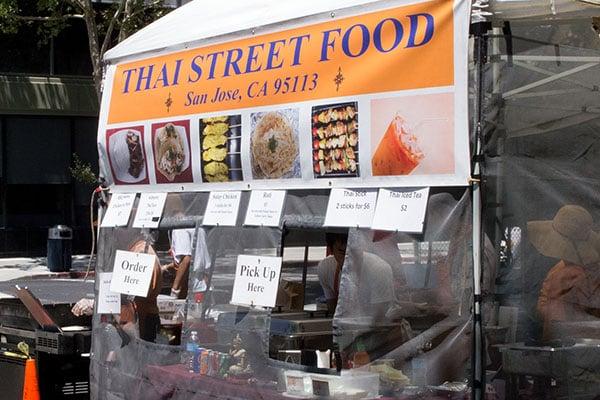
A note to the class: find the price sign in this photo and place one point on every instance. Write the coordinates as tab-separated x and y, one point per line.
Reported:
256	280
351	208
264	207
150	210
118	210
132	273
222	208
108	302
401	210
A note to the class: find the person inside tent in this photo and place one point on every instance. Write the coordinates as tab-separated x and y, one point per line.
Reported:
571	289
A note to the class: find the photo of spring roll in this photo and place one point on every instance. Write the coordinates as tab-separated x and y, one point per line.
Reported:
335	140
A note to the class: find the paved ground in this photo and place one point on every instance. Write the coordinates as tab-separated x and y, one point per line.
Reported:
18	268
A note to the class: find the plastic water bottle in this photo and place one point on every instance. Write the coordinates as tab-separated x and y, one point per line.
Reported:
190	348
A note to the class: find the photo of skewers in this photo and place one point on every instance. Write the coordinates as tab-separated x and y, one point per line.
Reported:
335	140
220	139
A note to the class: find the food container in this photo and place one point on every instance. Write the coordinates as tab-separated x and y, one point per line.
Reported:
355	382
298	383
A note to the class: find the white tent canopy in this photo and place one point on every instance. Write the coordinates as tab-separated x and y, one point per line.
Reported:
191	24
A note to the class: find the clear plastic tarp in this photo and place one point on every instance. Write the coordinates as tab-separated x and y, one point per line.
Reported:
402	323
541	113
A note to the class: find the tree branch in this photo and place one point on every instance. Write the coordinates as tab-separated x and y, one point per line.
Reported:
110	29
43	19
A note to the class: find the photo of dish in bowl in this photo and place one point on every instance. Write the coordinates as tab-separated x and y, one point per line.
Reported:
274	145
126	155
170	142
220	141
335	140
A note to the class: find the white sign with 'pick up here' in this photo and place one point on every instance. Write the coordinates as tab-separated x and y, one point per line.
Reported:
132	273
256	280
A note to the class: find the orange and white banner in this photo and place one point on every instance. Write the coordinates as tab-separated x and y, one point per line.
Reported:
374	99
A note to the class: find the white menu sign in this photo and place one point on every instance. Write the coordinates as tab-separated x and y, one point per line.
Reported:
149	210
108	302
222	208
351	208
132	273
119	209
264	207
256	280
401	210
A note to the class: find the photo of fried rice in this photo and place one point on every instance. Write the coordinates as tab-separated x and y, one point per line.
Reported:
274	145
170	143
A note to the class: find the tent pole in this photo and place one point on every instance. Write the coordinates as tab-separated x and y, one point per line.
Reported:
479	30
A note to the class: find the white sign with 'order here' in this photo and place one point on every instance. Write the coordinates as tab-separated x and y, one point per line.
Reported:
256	280
132	273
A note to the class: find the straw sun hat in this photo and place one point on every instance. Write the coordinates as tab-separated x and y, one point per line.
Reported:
568	236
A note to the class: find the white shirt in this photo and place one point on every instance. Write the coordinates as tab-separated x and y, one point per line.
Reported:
326	271
201	262
375	280
181	243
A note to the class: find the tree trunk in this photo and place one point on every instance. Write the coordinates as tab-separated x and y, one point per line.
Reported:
89	16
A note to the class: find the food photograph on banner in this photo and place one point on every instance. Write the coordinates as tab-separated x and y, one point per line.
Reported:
126	155
412	135
171	150
274	144
335	140
221	141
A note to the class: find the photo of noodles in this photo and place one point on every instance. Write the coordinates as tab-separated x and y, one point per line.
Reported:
171	148
335	140
274	145
220	145
126	155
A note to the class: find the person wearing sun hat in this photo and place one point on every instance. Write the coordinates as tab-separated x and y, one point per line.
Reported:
569	291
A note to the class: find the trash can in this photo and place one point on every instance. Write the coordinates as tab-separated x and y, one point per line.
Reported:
59	248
